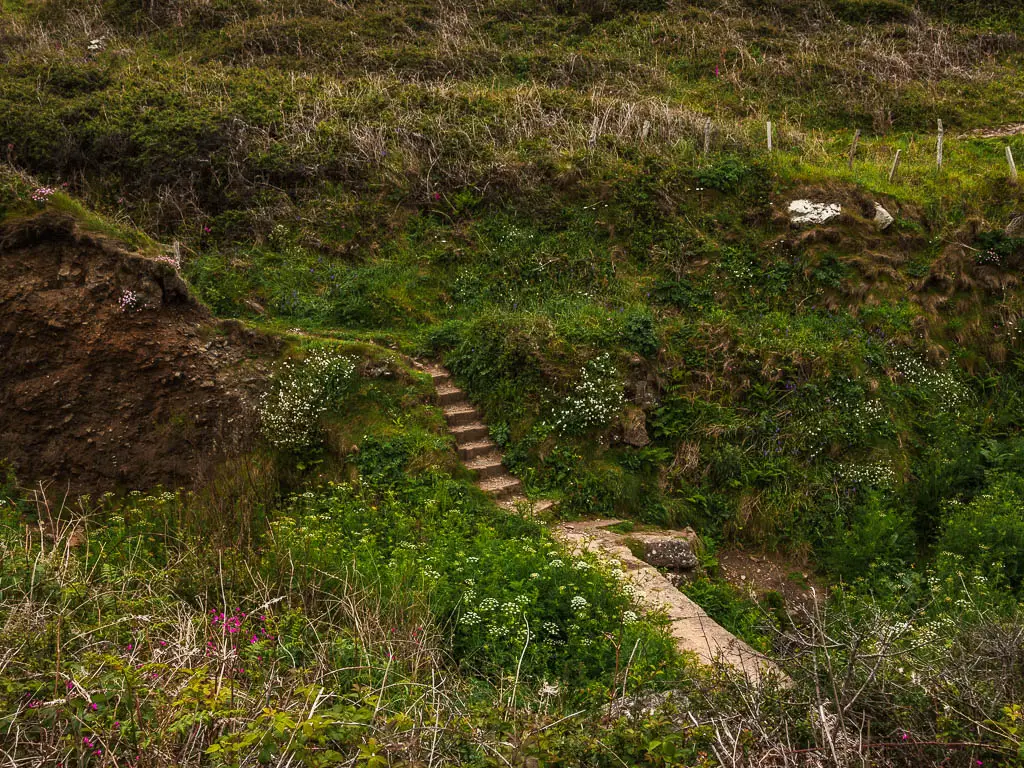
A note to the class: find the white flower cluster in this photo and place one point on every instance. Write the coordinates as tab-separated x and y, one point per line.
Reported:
629	617
595	400
579	604
946	391
291	409
876	475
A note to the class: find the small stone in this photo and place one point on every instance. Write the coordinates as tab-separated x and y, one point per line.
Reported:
640	705
883	219
676	554
634	428
804	212
255	306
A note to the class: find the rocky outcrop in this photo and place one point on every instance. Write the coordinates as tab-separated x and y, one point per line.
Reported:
634	427
674	553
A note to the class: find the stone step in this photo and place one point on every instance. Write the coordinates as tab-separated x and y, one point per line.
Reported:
500	487
440	377
468	451
467	434
487	466
450	395
514	502
460	415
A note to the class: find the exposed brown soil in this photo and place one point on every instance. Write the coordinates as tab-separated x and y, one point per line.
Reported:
764	573
99	398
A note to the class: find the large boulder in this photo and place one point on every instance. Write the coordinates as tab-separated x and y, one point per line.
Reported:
669	552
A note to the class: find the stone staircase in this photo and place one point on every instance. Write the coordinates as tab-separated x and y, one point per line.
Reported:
476	449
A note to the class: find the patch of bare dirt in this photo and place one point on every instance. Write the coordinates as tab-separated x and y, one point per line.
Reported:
100	396
764	573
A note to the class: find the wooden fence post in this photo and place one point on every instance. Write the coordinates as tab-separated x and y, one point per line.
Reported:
853	148
895	165
938	147
1013	165
769	135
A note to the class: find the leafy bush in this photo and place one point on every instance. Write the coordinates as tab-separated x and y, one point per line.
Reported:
595	399
638	333
987	533
299	396
879	540
726	175
512	598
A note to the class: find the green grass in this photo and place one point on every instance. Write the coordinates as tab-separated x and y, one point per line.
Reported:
518	190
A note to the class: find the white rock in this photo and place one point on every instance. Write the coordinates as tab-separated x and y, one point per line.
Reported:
808	212
883	219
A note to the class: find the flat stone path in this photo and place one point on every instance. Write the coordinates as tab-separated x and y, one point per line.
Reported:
693	630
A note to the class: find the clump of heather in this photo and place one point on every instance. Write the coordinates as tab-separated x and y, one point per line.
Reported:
298	397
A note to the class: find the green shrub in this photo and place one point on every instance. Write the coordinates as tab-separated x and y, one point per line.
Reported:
511	598
638	333
725	175
988	532
300	395
879	540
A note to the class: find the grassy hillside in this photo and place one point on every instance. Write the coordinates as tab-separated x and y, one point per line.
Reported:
571	203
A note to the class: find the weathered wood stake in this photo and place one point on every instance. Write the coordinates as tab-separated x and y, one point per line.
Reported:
895	165
769	135
853	148
1013	165
938	146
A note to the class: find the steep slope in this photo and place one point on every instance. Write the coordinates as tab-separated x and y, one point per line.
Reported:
110	371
